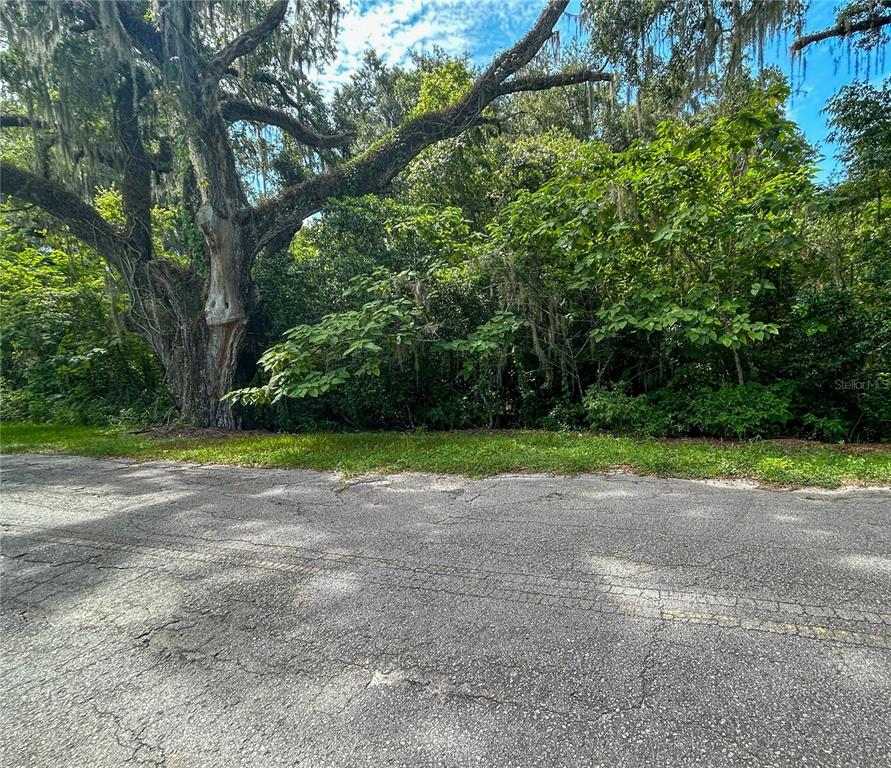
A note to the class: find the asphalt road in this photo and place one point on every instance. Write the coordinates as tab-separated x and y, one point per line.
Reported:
176	615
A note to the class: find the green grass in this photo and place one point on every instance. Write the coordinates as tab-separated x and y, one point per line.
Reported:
472	453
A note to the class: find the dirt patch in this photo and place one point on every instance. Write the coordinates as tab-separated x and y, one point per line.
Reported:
860	448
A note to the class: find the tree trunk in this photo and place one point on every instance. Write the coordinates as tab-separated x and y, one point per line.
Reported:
225	308
739	369
197	332
202	371
202	361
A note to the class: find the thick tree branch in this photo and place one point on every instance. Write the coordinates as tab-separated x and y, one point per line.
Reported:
136	184
873	21
514	59
239	109
545	82
19	121
249	40
263	77
145	38
281	217
83	220
267	79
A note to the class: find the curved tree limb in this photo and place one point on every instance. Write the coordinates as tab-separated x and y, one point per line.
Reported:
239	109
280	218
263	77
545	82
514	59
873	21
136	184
249	40
83	220
19	121
145	38
267	79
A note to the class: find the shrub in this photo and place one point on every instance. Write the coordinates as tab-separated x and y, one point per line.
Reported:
615	409
831	427
564	416
740	411
730	410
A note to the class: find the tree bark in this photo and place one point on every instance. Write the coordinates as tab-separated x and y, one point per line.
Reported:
225	308
169	309
739	369
872	21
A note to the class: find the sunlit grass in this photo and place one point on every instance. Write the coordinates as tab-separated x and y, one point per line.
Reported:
472	453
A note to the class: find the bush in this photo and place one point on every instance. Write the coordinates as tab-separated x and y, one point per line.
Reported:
740	411
564	416
615	409
829	426
731	410
82	407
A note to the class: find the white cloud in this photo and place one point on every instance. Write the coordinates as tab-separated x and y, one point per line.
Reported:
395	28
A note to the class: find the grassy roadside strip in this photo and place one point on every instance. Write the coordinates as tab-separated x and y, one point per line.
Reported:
471	453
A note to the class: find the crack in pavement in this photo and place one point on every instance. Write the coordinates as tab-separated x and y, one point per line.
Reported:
600	596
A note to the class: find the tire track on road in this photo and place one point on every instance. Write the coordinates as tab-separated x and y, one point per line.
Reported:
860	627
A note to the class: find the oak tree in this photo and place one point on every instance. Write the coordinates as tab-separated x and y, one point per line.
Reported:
148	96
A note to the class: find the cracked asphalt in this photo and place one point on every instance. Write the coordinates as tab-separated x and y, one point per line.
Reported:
178	615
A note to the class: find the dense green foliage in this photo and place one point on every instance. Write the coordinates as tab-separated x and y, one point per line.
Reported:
697	283
65	353
684	278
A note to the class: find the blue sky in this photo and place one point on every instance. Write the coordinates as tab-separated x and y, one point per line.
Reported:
481	27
